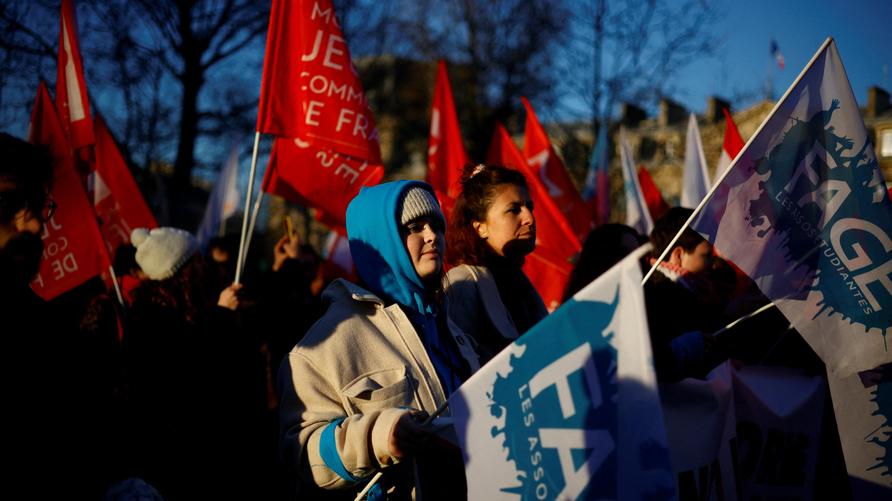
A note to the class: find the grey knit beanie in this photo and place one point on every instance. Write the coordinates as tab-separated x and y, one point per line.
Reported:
418	202
160	252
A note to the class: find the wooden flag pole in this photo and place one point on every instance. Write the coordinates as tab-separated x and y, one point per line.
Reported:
377	476
718	182
239	265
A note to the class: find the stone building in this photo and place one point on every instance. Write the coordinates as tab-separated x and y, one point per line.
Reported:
658	143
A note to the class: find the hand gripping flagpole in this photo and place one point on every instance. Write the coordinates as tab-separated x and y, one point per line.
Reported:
377	476
242	250
718	182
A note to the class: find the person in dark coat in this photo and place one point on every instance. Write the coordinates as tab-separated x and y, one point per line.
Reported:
684	306
196	378
46	430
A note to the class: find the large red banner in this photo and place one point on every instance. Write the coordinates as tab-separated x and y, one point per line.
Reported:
118	203
310	89
551	171
71	87
73	248
446	154
323	179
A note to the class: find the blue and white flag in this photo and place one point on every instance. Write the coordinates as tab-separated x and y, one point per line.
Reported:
804	212
596	192
223	201
570	410
637	213
695	180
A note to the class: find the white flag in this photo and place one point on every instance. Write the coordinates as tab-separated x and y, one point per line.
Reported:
637	213
695	182
804	212
223	201
570	410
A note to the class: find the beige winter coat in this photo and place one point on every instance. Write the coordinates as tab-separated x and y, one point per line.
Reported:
364	362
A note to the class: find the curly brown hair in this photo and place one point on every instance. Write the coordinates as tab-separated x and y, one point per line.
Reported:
479	187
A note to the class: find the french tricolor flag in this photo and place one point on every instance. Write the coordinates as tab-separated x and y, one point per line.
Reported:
776	54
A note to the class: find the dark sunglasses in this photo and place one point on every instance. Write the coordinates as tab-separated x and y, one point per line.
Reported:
41	206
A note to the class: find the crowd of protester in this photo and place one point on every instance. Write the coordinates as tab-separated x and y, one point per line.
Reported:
197	387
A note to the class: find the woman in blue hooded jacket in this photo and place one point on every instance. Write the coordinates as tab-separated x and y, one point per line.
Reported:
356	388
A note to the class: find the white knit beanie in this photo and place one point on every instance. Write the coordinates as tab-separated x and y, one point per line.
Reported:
160	252
418	202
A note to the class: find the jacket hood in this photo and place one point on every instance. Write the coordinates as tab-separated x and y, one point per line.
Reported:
379	253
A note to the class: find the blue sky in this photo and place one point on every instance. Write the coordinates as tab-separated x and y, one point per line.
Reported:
862	30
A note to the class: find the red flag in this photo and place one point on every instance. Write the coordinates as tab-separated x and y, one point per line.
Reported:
656	205
445	152
731	146
322	179
73	249
556	241
338	261
117	200
543	160
71	88
310	89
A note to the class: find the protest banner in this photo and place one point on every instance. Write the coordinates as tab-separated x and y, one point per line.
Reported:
222	202
700	427
549	168
446	154
323	179
570	410
310	90
72	103
695	179
862	403
653	198
637	213
803	211
731	145
73	250
596	193
117	201
779	414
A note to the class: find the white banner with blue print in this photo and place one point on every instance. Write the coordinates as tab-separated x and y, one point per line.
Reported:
570	410
804	212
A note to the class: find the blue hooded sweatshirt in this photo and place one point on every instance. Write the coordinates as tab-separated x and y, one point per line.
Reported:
385	268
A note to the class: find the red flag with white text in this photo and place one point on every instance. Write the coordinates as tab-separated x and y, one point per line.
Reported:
118	203
551	171
71	87
310	89
446	154
323	179
73	248
556	241
656	205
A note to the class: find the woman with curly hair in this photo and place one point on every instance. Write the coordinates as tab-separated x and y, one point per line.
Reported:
492	231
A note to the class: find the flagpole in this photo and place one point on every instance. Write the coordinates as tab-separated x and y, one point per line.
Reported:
745	317
254	212
114	279
377	476
242	250
734	161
